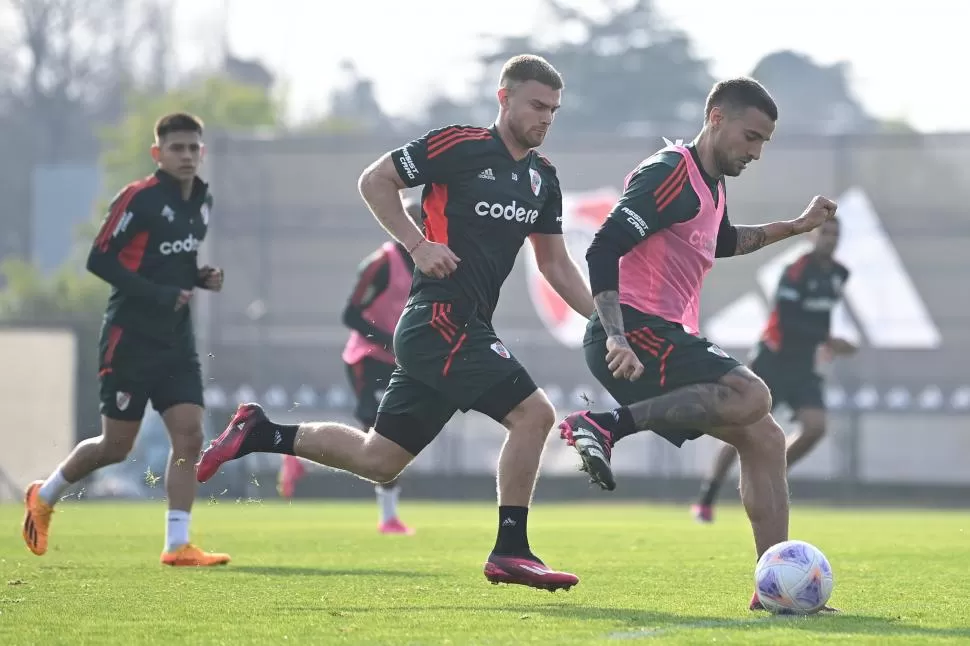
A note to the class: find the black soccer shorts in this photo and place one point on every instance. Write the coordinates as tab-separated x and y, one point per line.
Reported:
369	378
135	370
796	385
671	357
449	359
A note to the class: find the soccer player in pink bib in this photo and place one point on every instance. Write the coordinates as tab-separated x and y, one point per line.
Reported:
647	265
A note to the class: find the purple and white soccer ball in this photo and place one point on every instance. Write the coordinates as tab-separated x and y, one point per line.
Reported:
793	577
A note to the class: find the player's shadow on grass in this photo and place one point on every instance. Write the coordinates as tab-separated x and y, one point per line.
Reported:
862	625
629	623
654	623
283	570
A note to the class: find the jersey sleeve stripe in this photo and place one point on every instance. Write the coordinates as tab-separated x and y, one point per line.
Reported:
671	187
118	210
438	137
679	170
445	145
436	222
134	252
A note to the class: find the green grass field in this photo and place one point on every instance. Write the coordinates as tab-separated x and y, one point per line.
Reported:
308	573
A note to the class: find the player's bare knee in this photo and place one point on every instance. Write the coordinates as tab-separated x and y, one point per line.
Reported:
534	415
382	471
115	449
755	403
767	437
187	442
382	460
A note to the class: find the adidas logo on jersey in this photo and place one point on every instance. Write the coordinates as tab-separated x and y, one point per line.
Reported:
486	174
180	246
509	212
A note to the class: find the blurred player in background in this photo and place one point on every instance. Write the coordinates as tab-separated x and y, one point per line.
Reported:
793	353
485	191
147	250
647	265
375	305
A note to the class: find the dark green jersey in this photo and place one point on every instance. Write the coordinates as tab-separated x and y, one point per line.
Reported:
807	293
482	203
147	250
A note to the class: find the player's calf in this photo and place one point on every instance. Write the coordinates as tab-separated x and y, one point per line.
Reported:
528	424
331	444
811	431
764	480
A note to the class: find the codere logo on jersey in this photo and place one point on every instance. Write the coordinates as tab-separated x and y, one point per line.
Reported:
509	212
180	246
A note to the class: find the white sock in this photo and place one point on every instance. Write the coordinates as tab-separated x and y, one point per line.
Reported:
177	529
387	502
54	487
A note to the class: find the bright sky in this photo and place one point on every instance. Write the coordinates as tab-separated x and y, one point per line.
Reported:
906	58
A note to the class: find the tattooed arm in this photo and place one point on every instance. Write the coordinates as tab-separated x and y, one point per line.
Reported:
611	316
603	257
752	238
620	357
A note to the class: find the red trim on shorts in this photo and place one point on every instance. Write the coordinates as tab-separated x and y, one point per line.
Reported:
114	338
645	339
441	321
454	351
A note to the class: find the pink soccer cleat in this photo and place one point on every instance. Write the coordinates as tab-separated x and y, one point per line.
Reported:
291	470
702	513
395	526
226	447
527	571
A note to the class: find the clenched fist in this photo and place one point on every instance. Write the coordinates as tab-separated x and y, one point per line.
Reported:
819	211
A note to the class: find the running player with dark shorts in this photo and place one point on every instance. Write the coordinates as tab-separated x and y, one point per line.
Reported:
793	354
372	312
647	264
147	250
485	191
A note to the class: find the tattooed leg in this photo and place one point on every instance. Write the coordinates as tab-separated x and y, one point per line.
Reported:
740	398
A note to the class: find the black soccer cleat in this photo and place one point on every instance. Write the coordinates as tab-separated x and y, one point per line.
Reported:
594	445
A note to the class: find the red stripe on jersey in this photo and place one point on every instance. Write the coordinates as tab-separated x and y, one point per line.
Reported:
675	174
772	334
133	252
797	268
118	210
671	187
436	222
447	133
447	144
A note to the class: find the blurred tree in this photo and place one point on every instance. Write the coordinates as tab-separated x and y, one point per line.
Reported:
353	105
813	98
220	103
65	66
624	68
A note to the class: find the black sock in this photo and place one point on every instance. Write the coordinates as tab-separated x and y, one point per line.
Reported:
513	538
619	422
709	492
267	437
